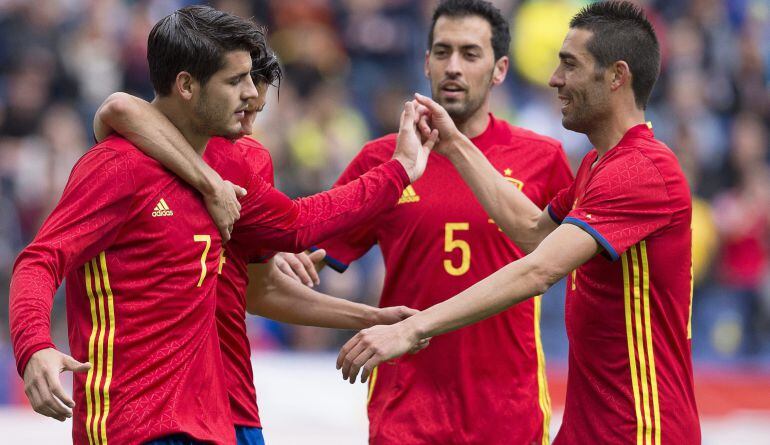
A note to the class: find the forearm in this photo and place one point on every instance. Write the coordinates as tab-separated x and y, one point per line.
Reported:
560	253
508	286
30	301
511	209
280	224
147	128
286	300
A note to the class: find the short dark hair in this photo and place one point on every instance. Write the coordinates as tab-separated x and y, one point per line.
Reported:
267	69
195	39
621	31
501	35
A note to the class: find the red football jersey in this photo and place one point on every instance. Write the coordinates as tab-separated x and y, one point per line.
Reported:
270	221
484	384
630	370
140	255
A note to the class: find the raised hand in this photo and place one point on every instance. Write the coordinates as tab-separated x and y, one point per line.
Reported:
42	385
300	266
374	345
433	117
411	151
223	206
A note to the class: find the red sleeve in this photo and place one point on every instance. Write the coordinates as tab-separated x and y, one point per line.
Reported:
561	204
343	249
86	221
624	203
270	220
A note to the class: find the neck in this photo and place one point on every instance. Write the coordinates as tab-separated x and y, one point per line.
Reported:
610	131
476	124
183	122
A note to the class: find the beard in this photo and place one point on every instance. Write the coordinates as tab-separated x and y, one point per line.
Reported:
212	118
463	109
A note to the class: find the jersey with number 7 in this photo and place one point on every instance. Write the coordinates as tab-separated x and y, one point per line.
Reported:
484	384
140	255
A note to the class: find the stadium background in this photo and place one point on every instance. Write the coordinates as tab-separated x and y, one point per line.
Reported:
349	65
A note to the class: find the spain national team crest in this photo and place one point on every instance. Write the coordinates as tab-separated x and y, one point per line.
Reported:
507	172
408	196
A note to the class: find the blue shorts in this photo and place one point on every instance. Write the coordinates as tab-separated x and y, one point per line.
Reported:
245	435
248	435
175	439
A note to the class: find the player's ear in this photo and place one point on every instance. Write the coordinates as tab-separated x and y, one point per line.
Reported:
620	75
426	70
185	85
500	71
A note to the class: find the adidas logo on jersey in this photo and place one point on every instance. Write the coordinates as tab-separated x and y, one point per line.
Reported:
408	196
161	209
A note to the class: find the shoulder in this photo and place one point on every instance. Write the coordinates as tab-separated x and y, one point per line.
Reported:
253	151
377	151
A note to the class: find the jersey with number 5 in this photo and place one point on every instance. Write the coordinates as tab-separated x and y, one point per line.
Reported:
484	383
140	255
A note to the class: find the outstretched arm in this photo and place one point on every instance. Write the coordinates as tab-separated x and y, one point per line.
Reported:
148	129
561	252
517	216
274	295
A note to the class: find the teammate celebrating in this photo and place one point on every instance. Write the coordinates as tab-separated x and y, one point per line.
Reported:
157	371
269	221
467	387
621	231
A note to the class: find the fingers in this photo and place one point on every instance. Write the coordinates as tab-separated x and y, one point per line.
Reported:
42	398
317	256
346	348
406	312
354	360
284	267
70	364
224	232
239	192
428	103
309	266
299	269
432	139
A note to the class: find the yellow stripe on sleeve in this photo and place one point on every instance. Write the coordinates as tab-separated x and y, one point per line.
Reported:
372	382
543	397
640	347
650	345
110	344
90	377
100	351
631	351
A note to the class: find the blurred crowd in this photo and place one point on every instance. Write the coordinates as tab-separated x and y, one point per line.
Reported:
349	65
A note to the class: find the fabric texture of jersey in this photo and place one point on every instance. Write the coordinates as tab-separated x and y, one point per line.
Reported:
270	222
139	254
628	310
484	384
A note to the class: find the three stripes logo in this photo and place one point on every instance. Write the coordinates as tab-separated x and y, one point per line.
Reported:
100	349
162	209
408	196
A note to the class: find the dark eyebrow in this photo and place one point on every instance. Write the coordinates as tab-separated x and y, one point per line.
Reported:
565	55
239	76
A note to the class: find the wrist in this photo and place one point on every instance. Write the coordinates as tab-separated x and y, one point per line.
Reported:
413	328
209	183
458	146
372	316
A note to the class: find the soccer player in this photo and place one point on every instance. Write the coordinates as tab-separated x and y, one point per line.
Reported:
621	232
136	247
274	222
468	387
141	254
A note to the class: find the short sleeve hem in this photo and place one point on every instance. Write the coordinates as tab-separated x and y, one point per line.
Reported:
332	262
595	234
553	215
